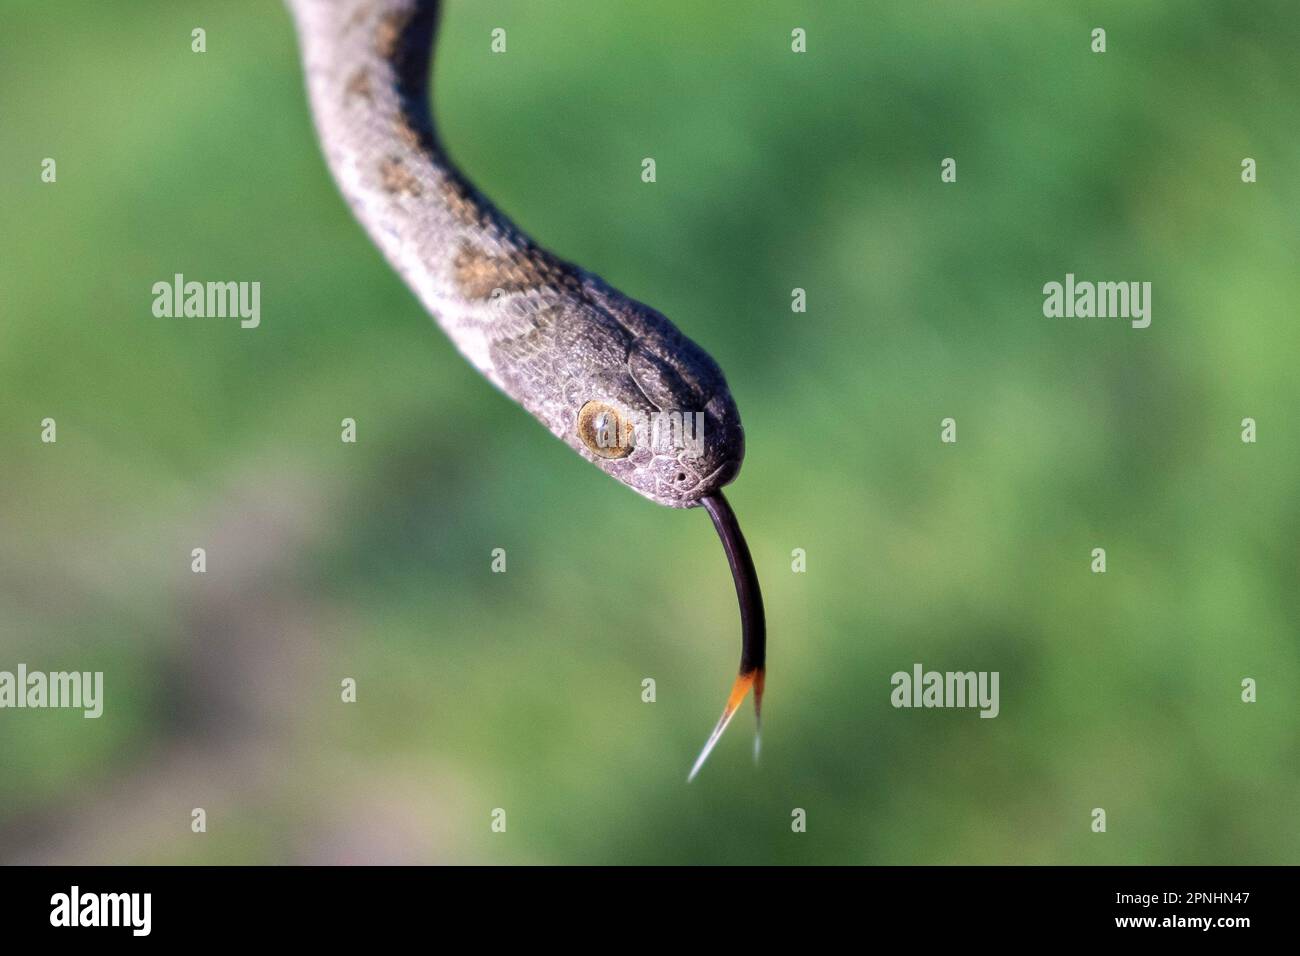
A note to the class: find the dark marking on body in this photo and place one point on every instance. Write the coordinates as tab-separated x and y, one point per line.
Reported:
389	32
397	179
358	85
461	202
480	273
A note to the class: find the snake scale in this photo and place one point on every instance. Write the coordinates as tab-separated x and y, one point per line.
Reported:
600	370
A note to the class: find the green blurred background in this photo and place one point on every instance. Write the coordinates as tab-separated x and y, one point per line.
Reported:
522	691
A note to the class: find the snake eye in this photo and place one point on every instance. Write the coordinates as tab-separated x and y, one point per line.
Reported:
605	431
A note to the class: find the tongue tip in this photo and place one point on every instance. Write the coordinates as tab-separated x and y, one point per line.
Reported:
737	697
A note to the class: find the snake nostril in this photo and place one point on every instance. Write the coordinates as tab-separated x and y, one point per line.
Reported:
681	476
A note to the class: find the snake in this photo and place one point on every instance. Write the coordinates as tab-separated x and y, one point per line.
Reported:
611	377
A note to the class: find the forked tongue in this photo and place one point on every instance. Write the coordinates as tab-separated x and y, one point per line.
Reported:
753	648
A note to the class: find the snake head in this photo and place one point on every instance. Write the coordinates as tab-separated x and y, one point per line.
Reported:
644	403
621	385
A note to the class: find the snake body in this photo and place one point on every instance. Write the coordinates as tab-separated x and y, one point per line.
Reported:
590	363
550	335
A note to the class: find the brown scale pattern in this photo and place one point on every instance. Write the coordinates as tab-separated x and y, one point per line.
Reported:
480	273
397	179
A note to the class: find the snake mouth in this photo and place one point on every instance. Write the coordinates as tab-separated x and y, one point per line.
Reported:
753	625
716	479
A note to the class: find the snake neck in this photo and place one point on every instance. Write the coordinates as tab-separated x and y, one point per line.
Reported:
367	64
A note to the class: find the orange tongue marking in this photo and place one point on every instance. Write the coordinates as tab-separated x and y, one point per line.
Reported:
738	691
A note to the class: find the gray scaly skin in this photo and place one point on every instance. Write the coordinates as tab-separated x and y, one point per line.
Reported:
567	347
547	333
